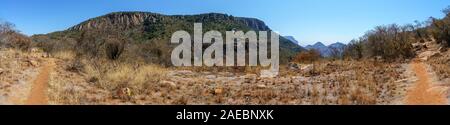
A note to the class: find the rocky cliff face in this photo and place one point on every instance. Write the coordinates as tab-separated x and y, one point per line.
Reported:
134	19
255	24
117	20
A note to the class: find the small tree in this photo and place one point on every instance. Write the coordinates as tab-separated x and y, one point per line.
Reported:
447	11
10	37
354	50
18	41
6	28
114	48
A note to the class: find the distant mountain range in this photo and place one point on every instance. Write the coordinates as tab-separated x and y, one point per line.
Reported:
291	38
325	51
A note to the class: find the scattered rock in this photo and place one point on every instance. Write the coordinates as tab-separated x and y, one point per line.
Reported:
33	63
436	55
93	80
261	86
181	73
268	74
171	84
45	55
218	91
210	77
424	56
401	81
416	45
34	50
250	76
307	68
379	58
123	93
1	71
293	66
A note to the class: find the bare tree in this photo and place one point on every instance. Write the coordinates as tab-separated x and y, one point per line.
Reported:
354	49
446	10
6	27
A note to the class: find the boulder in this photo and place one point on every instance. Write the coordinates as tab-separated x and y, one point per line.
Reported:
218	91
442	49
123	93
34	50
45	55
424	56
33	63
417	45
307	68
293	66
169	83
437	54
210	77
181	73
261	86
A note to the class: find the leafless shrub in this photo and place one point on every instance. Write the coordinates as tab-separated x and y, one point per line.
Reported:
114	48
307	56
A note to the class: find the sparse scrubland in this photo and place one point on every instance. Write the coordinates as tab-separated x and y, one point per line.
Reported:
337	82
106	67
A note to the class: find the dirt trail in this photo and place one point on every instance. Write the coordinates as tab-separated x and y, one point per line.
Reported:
38	94
423	91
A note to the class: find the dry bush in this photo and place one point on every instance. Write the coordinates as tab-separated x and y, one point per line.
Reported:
10	37
442	70
64	55
63	48
441	65
307	56
114	48
354	50
17	41
354	82
390	42
440	28
113	77
88	45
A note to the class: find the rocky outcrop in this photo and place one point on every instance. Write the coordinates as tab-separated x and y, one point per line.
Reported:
119	19
132	19
255	24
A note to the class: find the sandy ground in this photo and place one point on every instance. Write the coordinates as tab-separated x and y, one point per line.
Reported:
38	94
424	92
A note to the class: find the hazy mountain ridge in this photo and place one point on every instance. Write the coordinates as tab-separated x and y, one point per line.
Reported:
327	51
292	39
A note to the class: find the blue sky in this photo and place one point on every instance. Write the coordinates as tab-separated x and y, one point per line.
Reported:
308	21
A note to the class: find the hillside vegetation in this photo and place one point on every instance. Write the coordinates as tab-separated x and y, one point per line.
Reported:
124	58
146	35
394	42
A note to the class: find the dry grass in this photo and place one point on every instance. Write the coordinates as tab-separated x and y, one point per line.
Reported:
15	72
441	65
64	55
100	81
334	82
